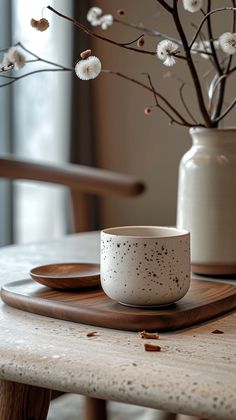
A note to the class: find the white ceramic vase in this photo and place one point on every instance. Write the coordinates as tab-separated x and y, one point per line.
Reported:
207	200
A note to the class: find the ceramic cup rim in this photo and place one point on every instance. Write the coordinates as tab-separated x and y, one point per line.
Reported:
170	232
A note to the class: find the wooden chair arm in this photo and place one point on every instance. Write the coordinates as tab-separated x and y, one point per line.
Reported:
76	177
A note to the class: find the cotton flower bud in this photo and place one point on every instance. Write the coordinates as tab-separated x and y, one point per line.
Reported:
85	54
94	15
120	12
41	25
89	68
13	58
227	42
192	6
141	42
147	110
165	51
106	21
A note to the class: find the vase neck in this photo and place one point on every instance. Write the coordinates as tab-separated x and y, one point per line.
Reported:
213	137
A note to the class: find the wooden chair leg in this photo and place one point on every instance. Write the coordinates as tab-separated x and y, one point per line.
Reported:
23	402
95	409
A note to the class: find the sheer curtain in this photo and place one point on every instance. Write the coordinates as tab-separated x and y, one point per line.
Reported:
41	119
5	129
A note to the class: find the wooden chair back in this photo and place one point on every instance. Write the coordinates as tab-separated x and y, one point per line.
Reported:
82	182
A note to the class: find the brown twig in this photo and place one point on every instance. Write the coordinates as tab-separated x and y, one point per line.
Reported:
220	9
165	5
137	82
95	35
172	119
19	44
132	42
184	103
225	112
209	27
14	79
222	86
152	87
214	90
149	31
191	66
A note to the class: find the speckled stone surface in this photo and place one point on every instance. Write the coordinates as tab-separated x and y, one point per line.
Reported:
194	373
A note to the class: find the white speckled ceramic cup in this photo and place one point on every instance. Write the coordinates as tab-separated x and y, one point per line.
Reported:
145	265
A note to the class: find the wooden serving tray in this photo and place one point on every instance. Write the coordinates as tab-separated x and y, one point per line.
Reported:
205	300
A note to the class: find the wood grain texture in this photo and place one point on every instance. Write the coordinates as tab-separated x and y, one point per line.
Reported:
205	300
67	275
214	269
77	177
82	182
95	409
23	402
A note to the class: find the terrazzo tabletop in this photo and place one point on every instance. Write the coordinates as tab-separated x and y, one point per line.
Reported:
194	373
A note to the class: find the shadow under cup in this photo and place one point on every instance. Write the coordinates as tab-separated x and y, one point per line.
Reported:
145	265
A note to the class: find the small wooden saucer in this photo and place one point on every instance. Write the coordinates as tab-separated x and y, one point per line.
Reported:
67	275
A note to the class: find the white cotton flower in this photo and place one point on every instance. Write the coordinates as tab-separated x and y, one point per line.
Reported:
165	51
106	21
192	5
93	16
228	43
89	68
13	58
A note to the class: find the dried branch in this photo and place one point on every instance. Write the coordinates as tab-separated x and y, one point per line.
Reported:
152	87
234	13
209	27
23	76
183	121
191	66
222	85
158	34
111	41
184	103
214	90
149	31
132	42
226	111
220	9
165	5
172	119
13	79
95	35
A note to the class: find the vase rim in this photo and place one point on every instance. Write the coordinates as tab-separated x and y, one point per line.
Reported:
202	129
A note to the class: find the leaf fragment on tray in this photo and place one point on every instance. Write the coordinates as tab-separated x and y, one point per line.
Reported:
152	336
217	332
92	334
151	347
